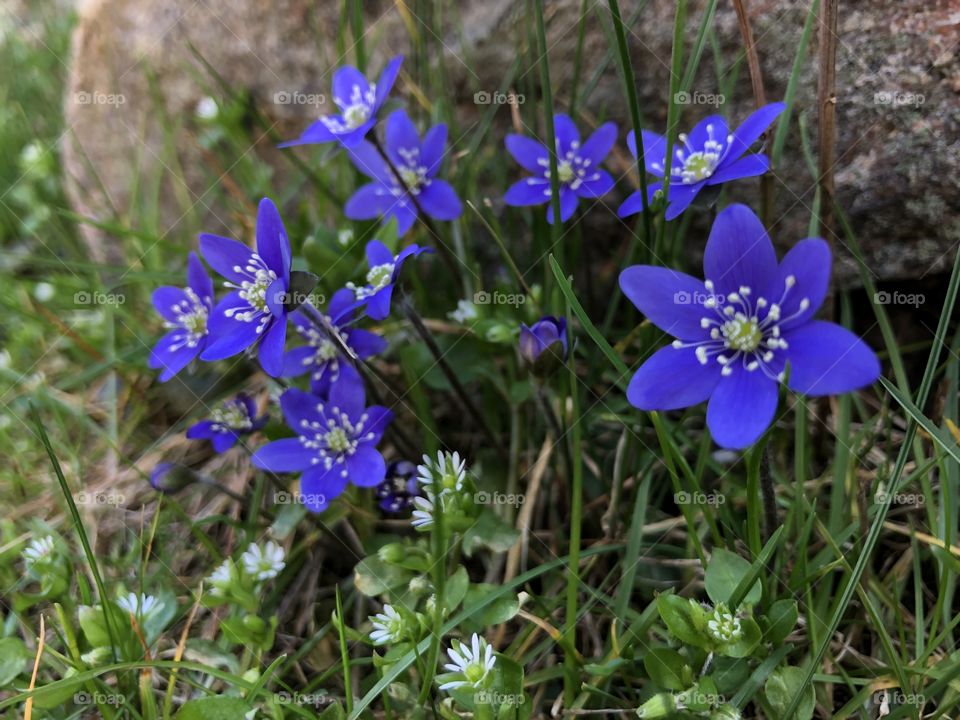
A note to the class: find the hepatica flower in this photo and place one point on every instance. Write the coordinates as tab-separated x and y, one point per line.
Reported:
739	329
548	332
399	488
254	313
358	99
322	356
186	312
382	276
709	155
417	163
231	420
336	442
578	167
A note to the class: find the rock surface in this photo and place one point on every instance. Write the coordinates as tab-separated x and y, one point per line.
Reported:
898	109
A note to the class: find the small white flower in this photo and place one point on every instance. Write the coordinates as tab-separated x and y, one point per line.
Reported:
38	551
43	291
422	516
445	475
465	311
472	663
141	605
345	236
220	578
723	626
388	626
263	564
207	108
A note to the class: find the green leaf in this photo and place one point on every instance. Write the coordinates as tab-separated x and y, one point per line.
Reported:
491	532
93	625
667	669
724	573
214	708
373	576
58	695
684	619
13	659
782	685
455	589
729	673
780	621
499	611
748	642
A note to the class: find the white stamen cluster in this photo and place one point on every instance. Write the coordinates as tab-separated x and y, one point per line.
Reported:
472	664
723	625
232	415
743	329
263	563
355	110
696	164
191	315
334	439
388	626
572	170
378	277
253	289
412	174
326	352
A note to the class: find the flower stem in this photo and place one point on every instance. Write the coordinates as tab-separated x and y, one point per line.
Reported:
570	684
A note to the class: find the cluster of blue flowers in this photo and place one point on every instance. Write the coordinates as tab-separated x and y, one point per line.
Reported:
739	333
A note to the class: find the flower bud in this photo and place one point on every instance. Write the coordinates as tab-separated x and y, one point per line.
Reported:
392	553
660	705
543	345
171	477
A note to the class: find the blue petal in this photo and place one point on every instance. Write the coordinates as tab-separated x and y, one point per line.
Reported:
753	127
345	80
320	486
599	144
827	359
439	200
201	430
378	417
378	254
287	455
173	360
747	166
713	126
809	263
528	153
223	441
671	300
301	409
566	133
596	187
271	349
568	205
366	466
741	408
298	361
224	254
401	135
165	298
529	191
739	253
378	305
317	132
634	202
353	138
272	243
342	306
365	343
654	150
367	159
197	278
406	216
387	78
680	198
348	395
431	150
369	201
671	379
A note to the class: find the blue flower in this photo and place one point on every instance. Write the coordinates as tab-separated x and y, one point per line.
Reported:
399	487
739	329
382	276
418	164
255	312
186	311
234	418
578	167
709	155
546	332
322	356
358	100
336	442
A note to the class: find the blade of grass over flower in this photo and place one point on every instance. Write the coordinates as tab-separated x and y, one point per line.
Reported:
698	46
344	652
400	666
743	587
578	56
866	551
673	113
789	96
78	526
507	257
944	440
634	545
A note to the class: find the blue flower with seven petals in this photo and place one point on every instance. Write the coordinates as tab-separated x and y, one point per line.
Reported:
382	276
739	329
358	100
417	163
234	418
709	155
336	442
255	312
578	167
322	356
186	311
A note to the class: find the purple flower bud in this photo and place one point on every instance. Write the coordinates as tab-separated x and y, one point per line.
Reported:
547	333
171	477
399	488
